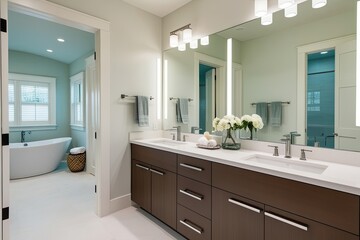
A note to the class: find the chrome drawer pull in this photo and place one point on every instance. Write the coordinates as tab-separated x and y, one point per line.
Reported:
294	224
244	205
191	195
191	167
141	166
198	230
157	172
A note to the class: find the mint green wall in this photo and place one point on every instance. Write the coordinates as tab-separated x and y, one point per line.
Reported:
20	62
78	136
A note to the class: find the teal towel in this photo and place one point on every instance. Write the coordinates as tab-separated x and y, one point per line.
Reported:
142	111
275	114
262	111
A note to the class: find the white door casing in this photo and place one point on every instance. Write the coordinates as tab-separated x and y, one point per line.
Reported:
4	123
92	114
210	98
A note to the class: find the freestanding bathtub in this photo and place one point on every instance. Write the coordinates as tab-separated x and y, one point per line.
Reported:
35	158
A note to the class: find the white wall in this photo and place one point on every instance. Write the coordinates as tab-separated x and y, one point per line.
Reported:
211	16
135	47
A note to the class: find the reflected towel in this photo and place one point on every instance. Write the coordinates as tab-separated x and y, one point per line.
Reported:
262	111
142	111
275	114
77	150
182	115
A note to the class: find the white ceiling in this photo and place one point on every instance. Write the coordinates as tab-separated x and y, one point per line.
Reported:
159	8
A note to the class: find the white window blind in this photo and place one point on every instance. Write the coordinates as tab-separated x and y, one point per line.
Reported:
77	99
32	100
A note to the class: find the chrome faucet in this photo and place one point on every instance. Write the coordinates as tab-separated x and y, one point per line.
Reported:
287	141
293	135
23	135
178	133
193	129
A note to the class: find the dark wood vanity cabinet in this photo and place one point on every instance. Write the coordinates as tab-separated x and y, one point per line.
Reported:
206	200
153	182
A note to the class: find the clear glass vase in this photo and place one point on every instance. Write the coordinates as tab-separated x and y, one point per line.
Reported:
229	141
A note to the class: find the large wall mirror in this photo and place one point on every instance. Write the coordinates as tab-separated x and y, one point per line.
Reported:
307	62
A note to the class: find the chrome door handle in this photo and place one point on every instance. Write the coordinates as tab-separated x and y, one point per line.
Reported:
157	172
192	195
196	228
294	224
191	167
143	167
244	205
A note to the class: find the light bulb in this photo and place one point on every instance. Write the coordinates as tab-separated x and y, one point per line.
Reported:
194	44
174	40
267	19
318	3
182	47
187	35
204	40
291	11
285	3
260	8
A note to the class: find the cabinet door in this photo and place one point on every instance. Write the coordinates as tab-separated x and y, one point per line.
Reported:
235	217
163	197
141	184
280	225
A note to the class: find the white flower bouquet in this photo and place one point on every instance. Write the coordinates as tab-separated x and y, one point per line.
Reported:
253	122
227	122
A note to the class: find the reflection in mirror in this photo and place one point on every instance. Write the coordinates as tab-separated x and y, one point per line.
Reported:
274	65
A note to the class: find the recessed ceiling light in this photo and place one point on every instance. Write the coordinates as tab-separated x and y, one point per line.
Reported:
61	40
49	50
324	52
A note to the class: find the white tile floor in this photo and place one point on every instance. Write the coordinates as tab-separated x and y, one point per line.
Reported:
60	206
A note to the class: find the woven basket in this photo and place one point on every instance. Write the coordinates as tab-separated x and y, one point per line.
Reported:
76	162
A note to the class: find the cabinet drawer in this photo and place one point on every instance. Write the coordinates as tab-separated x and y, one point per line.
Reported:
162	159
194	195
192	225
334	208
194	168
282	225
235	217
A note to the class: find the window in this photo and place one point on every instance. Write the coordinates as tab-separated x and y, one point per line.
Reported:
313	101
77	100
32	100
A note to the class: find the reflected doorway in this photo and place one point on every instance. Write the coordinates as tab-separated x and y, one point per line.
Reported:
207	96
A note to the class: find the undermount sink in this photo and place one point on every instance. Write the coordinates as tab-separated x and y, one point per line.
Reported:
288	164
168	142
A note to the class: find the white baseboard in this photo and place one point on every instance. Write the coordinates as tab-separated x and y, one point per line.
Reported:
120	203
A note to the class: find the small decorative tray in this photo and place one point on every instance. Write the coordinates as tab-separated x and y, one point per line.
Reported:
207	147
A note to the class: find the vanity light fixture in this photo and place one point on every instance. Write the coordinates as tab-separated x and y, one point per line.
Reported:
174	40
194	44
260	8
291	11
285	3
186	34
229	71
358	68
204	41
267	19
318	3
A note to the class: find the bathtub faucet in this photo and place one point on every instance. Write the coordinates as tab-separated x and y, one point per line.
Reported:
23	135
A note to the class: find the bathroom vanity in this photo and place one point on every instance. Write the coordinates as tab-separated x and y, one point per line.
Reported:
222	194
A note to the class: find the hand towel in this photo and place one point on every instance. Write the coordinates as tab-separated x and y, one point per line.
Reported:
182	115
142	111
262	111
275	114
77	150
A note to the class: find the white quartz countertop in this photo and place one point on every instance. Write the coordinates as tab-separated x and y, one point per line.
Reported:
341	177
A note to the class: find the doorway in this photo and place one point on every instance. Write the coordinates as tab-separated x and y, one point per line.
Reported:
207	97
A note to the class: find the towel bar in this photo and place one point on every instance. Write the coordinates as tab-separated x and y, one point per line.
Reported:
269	103
127	96
173	98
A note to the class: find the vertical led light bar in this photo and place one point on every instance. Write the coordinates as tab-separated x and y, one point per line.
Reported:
229	77
165	89
358	67
158	89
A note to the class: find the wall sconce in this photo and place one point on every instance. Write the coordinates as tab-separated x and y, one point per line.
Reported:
285	3
318	3
186	36
291	11
260	8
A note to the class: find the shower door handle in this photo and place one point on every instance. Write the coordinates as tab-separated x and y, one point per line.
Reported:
337	135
